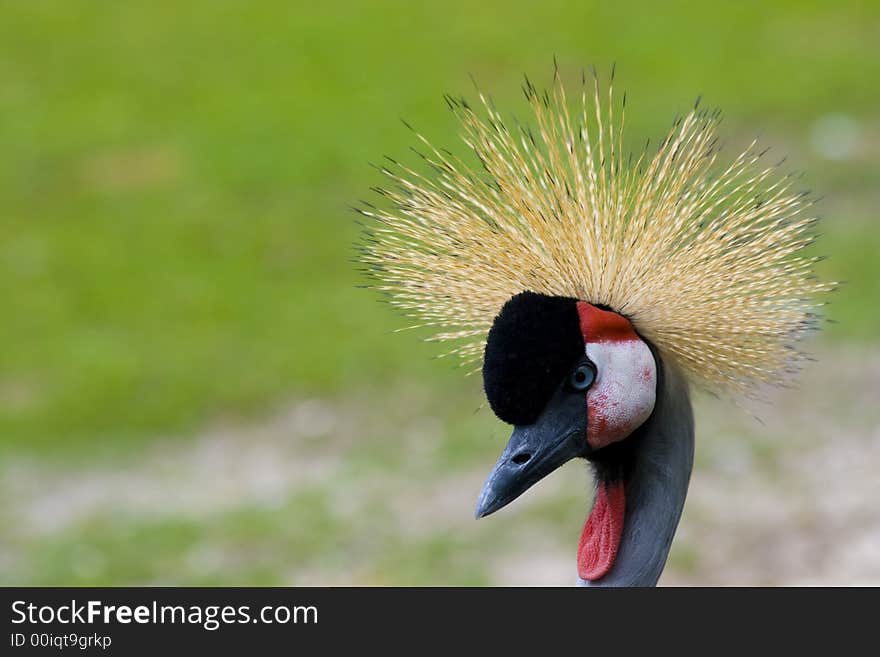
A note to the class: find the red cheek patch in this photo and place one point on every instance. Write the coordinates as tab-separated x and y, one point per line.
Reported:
603	325
623	394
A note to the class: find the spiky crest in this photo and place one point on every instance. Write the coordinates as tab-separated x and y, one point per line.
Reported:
704	258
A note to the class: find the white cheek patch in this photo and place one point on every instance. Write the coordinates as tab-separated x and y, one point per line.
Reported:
623	394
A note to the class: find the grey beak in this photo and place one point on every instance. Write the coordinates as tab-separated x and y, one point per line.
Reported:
536	450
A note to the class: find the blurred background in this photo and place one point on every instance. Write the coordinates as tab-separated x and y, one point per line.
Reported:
194	391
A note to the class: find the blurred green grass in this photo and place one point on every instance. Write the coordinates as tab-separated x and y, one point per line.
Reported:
175	238
175	181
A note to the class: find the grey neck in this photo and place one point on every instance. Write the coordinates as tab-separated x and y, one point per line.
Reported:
655	487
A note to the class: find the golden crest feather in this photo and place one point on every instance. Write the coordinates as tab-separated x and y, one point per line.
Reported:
704	258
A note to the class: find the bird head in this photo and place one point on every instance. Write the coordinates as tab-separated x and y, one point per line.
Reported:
597	286
572	378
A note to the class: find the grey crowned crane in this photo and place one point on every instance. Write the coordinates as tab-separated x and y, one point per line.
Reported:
597	288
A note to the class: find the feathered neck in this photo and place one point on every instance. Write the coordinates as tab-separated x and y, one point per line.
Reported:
656	474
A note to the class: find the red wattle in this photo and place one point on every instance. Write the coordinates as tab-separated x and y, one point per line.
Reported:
600	539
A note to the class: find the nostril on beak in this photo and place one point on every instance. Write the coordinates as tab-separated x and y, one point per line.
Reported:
521	458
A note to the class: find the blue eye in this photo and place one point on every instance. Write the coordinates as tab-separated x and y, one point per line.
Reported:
582	377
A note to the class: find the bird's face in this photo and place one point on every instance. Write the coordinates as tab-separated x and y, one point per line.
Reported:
572	379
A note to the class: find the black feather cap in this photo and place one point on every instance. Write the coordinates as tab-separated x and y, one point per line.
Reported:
531	348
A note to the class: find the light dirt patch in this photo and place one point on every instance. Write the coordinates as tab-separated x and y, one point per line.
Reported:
789	501
223	469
